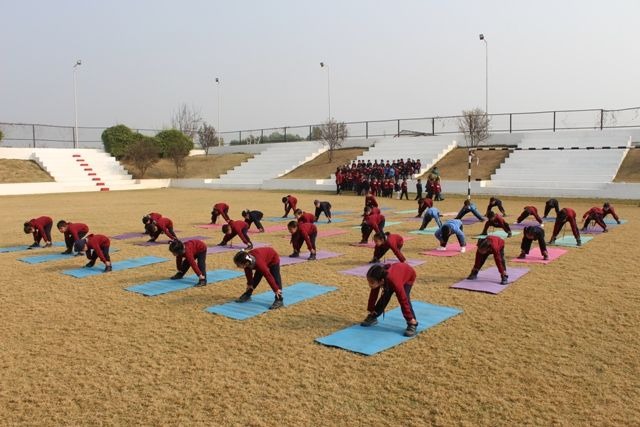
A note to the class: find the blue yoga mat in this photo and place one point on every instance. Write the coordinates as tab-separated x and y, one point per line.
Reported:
389	332
126	264
341	212
37	259
333	220
570	241
260	303
428	230
279	219
611	221
159	287
26	247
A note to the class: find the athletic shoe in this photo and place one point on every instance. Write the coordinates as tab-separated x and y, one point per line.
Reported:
374	261
463	249
578	242
250	246
201	282
67	252
107	269
472	276
245	297
151	240
90	264
522	255
545	257
35	245
442	248
295	254
312	257
177	276
329	220
370	320
48	245
411	330
504	280
277	303
362	242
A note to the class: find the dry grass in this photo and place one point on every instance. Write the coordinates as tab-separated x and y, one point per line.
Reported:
211	166
320	167
559	347
630	169
454	165
15	171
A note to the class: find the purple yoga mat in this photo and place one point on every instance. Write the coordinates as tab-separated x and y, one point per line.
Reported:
128	236
593	230
412	218
469	220
362	270
285	260
524	224
221	249
536	257
489	280
166	242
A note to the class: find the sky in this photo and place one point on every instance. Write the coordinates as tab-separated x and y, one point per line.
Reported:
142	59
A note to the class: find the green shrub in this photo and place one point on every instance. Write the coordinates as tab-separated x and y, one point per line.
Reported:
176	146
115	140
143	152
1	135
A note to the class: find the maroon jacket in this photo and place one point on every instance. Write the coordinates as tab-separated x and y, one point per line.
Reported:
265	258
497	249
529	210
96	242
165	224
399	274
595	211
191	249
291	202
154	216
74	228
307	217
238	228
38	225
393	242
373	221
610	210
304	232
570	218
498	222
222	209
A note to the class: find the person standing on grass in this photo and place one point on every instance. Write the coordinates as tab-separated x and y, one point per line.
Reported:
152	216
265	262
395	278
72	231
233	229
95	246
566	215
159	226
41	229
192	253
530	210
220	209
496	221
290	204
467	207
551	204
253	217
494	202
404	190
322	207
490	245
303	233
453	226
387	241
531	233
418	189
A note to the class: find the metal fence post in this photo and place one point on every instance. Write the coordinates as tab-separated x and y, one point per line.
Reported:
601	118
433	125
33	132
261	136
398	127
239	137
510	122
285	134
554	121
310	135
366	130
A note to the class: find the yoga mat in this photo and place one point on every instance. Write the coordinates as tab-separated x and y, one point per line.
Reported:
285	260
469	220
524	224
387	224
594	230
126	264
260	303
209	226
323	233
549	219
449	214
221	249
499	233
37	259
159	287
426	231
453	249
611	221
128	236
361	271
414	211
389	332
166	242
489	280
535	256
269	228
412	218
333	220
342	212
279	219
363	245
570	241
26	248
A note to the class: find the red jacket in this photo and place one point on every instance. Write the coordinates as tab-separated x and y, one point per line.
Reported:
497	247
498	222
265	258
237	228
533	211
165	224
304	232
370	200
39	224
393	242
610	210
307	217
222	209
398	275
191	249
96	242
374	221
292	202
154	216
74	228
596	211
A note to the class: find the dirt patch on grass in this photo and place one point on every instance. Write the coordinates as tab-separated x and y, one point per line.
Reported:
630	169
558	347
320	167
454	165
211	166
20	171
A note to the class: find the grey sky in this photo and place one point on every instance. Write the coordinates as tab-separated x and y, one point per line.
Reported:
387	59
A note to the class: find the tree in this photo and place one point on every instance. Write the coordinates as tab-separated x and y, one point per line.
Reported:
474	125
143	152
176	146
187	120
1	135
316	134
115	140
333	134
208	137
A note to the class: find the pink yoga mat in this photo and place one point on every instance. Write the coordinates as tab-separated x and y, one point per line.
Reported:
361	271
166	242
285	260
221	249
371	245
453	249
209	226
450	214
489	280
536	257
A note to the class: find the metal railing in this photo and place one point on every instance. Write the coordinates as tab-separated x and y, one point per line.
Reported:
52	136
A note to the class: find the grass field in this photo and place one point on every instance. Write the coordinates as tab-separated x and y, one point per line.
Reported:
558	347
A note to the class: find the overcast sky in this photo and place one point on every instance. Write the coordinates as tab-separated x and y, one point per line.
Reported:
386	59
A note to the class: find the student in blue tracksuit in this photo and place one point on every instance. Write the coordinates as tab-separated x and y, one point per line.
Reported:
453	226
429	214
469	207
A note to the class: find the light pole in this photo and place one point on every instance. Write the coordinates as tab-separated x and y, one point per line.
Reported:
75	104
486	75
324	65
218	125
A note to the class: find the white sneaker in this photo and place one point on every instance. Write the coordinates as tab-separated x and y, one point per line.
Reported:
463	249
440	248
542	225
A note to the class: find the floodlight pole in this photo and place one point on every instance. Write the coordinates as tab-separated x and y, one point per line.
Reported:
218	125
75	104
325	65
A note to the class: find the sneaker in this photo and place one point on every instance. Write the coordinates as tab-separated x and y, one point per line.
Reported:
221	244
504	280
250	246
177	276
201	282
374	261
552	241
542	225
329	220
509	235
472	276
370	320
545	257
362	242
79	254
35	245
463	249
578	242
295	254
284	216
107	269
67	252
522	255
411	330
90	264
48	245
151	240
261	230
245	297
312	257
605	231
442	248
277	303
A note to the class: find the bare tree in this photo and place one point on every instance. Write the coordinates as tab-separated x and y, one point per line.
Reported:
208	137
187	120
474	125
333	134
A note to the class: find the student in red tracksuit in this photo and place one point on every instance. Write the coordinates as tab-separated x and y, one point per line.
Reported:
371	222
404	190
290	204
41	229
596	215
566	215
494	202
530	234
424	204
303	232
192	253
370	200
220	209
387	241
233	229
72	231
551	204
159	226
95	246
490	245
395	278
607	209
265	262
307	217
152	216
496	221
530	210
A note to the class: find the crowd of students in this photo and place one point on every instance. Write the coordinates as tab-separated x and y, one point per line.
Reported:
382	178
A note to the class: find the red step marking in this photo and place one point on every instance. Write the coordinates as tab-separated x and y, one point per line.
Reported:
76	155
99	183
91	174
104	189
88	169
95	179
